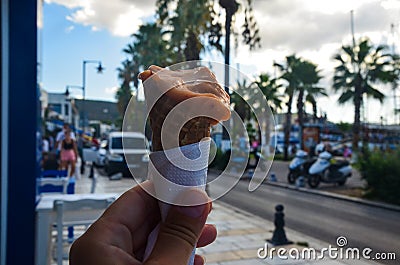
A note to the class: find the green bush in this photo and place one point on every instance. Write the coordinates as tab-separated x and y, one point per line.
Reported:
381	170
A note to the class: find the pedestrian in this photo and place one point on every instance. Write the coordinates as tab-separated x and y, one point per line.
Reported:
81	141
61	136
68	153
294	149
49	161
45	145
347	152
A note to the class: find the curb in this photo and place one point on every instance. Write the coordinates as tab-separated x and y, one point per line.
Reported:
337	196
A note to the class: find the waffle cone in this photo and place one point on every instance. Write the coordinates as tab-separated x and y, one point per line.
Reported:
193	131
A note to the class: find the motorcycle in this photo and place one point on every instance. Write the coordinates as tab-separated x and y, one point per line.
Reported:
299	166
328	171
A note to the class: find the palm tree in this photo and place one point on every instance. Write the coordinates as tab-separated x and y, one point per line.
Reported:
360	68
131	50
124	93
270	89
290	73
186	25
148	47
239	102
308	78
312	93
193	24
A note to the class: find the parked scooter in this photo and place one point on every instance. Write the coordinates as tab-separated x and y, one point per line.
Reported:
324	170
299	166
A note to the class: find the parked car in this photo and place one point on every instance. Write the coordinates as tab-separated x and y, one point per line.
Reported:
127	152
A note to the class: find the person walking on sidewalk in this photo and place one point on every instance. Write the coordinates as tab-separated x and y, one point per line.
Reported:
61	136
81	141
68	153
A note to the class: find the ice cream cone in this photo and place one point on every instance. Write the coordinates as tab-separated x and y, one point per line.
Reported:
195	129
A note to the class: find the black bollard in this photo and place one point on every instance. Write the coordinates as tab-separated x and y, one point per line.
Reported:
91	174
279	235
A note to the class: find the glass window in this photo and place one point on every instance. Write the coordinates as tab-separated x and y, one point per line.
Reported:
129	143
55	107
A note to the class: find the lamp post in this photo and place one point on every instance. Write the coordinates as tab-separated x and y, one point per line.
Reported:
67	94
230	6
73	86
100	69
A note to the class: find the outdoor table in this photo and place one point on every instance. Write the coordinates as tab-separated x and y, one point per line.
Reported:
46	217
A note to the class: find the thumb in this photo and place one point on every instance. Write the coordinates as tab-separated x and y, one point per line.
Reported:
180	231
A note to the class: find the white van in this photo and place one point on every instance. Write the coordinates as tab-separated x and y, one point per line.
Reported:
128	153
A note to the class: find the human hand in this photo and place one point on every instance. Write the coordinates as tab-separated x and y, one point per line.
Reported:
120	235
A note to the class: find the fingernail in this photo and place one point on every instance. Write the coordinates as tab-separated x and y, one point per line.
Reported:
192	211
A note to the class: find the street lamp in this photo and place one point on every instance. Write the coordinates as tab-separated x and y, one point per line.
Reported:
73	86
100	70
67	93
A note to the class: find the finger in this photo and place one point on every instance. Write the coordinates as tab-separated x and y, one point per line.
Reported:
181	230
208	235
91	249
155	68
199	260
144	75
128	221
133	208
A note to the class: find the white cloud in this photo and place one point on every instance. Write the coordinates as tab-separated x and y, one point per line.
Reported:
389	4
120	17
69	29
66	3
111	90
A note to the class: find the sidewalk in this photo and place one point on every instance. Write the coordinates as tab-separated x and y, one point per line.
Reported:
240	234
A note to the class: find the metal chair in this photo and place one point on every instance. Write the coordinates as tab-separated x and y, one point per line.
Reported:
77	212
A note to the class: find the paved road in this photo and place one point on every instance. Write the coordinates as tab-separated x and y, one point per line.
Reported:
320	217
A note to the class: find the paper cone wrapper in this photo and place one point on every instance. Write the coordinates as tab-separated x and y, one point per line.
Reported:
173	172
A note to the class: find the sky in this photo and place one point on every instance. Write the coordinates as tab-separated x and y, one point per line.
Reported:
72	31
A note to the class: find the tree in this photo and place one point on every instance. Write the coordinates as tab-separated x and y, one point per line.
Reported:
290	74
186	25
312	93
148	47
124	93
270	89
360	68
309	77
238	100
194	25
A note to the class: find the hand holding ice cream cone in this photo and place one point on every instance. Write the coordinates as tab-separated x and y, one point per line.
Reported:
182	106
